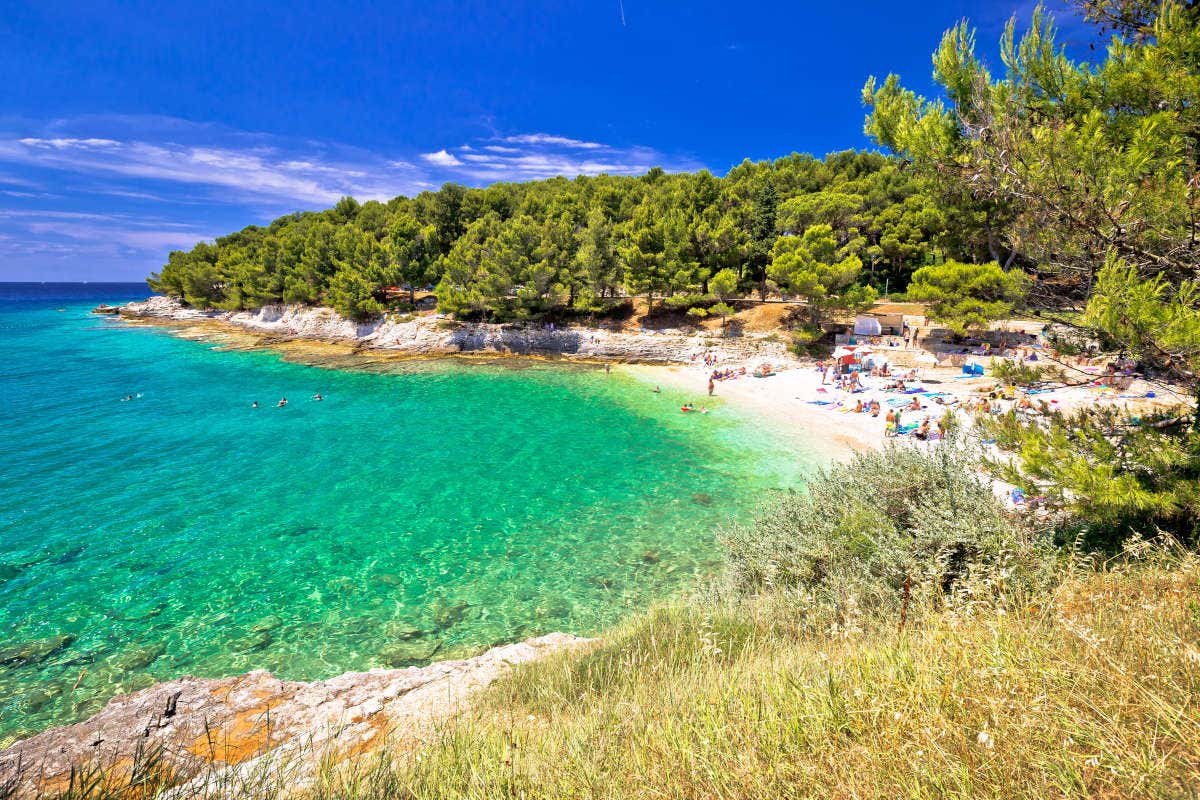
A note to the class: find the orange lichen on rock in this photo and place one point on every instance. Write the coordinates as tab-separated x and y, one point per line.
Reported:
195	733
246	735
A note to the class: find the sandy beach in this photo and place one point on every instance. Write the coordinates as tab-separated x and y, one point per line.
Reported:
822	417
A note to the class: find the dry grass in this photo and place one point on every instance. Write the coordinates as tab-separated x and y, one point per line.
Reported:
1091	692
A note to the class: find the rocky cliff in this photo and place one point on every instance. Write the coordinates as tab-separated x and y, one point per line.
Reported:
434	336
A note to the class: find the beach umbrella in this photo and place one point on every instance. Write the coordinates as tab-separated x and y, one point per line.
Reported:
843	351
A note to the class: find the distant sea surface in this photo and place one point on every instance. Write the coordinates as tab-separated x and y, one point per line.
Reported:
425	511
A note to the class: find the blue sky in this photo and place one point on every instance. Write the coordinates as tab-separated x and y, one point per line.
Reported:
128	129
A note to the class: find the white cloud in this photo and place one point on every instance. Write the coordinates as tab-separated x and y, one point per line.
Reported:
135	238
93	235
543	155
140	186
550	139
63	144
441	159
243	174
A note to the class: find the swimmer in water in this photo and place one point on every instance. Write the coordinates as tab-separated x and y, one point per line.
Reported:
126	397
254	404
657	390
282	402
318	397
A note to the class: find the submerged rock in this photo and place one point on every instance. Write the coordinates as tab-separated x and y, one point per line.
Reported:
405	633
410	653
142	614
446	615
702	499
257	640
36	700
36	651
139	657
70	555
268	623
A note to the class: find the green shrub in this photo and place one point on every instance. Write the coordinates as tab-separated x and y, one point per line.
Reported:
806	340
681	302
899	516
1017	373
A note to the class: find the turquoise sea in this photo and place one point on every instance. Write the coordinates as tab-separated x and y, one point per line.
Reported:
423	510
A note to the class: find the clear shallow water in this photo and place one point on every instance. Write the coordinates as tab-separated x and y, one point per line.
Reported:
428	512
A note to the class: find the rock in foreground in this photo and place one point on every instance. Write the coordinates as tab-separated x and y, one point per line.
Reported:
255	727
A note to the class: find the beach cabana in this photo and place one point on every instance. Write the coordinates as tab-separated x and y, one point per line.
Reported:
867	325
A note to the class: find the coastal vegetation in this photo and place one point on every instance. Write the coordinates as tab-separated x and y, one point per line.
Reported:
825	229
1089	173
894	629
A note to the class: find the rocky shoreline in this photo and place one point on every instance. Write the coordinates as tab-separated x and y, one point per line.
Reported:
220	737
433	336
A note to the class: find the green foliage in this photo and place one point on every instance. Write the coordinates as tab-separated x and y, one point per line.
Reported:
867	527
1089	170
1114	475
722	310
806	341
967	296
723	284
517	251
351	294
1076	165
1155	319
815	268
679	302
1017	373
